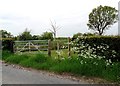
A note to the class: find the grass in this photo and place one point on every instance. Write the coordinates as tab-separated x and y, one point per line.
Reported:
76	65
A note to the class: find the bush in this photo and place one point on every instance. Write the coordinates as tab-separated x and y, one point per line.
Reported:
105	46
7	45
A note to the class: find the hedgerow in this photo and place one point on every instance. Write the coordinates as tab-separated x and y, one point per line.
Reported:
106	46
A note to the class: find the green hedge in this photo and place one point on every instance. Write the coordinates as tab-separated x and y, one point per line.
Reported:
106	46
7	45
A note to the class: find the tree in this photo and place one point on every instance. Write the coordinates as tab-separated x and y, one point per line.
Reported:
5	34
35	37
101	18
26	35
75	36
54	29
46	36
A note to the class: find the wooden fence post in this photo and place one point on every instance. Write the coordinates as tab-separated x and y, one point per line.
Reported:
29	46
49	47
12	46
58	47
69	47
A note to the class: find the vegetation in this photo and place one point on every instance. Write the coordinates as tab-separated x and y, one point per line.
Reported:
6	34
26	35
105	46
7	39
77	65
75	36
46	36
91	54
101	18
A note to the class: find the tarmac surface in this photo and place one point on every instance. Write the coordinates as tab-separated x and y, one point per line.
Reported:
13	75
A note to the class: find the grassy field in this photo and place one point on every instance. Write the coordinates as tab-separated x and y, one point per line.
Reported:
76	65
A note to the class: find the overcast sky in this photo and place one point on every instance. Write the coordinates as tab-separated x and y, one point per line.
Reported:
70	15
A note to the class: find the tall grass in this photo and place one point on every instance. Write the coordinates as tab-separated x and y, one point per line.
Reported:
77	65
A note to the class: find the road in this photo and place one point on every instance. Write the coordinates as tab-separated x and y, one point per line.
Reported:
13	75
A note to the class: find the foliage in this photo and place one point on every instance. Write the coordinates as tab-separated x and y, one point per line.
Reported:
7	39
75	36
46	36
7	45
105	46
101	18
83	66
89	34
61	43
35	37
61	38
6	34
26	35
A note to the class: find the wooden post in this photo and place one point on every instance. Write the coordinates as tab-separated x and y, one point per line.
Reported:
69	47
12	46
29	46
49	47
58	48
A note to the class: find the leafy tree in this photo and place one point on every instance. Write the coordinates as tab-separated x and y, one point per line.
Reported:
101	18
75	36
46	36
35	37
6	34
26	35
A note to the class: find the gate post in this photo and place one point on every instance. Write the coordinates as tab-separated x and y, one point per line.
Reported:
49	47
12	46
29	46
69	46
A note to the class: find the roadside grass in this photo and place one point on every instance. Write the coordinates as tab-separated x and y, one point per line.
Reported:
77	65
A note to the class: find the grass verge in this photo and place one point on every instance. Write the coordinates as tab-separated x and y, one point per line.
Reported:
81	66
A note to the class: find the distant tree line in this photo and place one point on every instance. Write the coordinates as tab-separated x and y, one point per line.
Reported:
100	19
26	35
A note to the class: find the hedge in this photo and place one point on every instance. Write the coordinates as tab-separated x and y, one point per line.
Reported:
7	44
106	46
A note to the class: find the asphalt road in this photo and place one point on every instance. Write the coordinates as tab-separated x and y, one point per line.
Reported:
13	75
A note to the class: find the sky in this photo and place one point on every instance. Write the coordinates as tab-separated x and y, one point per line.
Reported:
70	15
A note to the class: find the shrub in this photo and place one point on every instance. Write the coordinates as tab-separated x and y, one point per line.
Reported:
105	46
7	45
